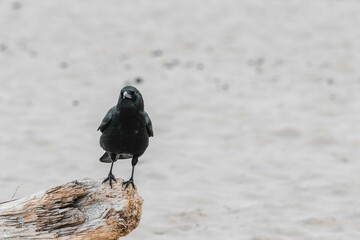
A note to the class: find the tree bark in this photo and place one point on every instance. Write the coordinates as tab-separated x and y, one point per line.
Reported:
76	210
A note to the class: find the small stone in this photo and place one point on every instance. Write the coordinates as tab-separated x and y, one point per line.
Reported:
64	65
75	102
200	66
138	80
3	47
330	81
260	61
157	53
123	57
16	5
225	86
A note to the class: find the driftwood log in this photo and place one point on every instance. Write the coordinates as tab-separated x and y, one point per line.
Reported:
76	210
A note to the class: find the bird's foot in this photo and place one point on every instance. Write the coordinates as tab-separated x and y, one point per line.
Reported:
127	183
109	178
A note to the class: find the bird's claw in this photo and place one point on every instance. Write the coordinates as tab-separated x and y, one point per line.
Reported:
127	183
110	178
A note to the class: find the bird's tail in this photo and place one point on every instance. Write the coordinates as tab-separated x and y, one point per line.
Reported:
105	158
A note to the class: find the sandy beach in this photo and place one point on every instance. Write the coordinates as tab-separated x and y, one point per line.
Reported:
255	107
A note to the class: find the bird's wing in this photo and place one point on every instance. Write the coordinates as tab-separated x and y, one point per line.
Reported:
105	158
149	128
107	119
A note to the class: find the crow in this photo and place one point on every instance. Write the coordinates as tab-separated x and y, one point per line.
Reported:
125	129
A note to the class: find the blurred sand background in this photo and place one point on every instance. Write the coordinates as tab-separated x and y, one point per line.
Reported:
255	107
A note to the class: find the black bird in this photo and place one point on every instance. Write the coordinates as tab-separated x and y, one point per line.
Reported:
126	129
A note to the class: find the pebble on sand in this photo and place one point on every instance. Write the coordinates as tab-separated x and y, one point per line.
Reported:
64	65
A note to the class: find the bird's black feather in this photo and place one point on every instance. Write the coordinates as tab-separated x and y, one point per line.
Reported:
126	129
105	158
149	128
107	119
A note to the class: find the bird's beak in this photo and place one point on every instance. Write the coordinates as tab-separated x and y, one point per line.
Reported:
127	95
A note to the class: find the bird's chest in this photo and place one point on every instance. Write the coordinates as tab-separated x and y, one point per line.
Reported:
128	136
129	127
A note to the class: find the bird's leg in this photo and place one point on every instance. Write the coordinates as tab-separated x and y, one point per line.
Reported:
110	176
131	180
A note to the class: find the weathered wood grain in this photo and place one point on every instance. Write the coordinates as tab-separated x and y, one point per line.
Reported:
76	210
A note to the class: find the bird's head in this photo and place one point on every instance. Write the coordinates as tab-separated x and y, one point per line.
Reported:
130	97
